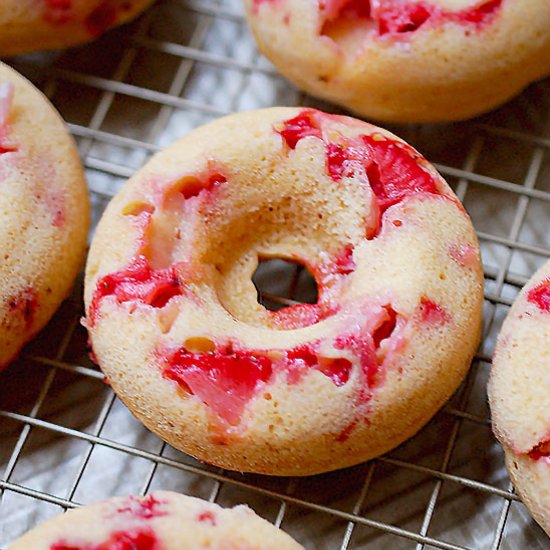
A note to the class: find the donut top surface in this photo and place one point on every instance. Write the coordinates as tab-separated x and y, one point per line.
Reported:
30	25
160	521
350	201
399	17
44	212
100	17
226	375
20	305
95	16
405	60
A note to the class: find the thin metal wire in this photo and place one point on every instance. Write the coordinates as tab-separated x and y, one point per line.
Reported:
502	521
114	87
358	506
36	408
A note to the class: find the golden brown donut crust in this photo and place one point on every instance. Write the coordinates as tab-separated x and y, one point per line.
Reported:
44	212
332	388
447	69
519	394
35	25
162	519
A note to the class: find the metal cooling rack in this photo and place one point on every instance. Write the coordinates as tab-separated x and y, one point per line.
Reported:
66	440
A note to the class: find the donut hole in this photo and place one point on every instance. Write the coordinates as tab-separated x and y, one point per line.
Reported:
281	283
252	259
283	208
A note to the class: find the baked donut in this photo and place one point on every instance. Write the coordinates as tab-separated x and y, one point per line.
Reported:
44	212
33	25
174	319
406	60
160	521
519	395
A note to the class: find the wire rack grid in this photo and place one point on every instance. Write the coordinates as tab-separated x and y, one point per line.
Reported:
65	438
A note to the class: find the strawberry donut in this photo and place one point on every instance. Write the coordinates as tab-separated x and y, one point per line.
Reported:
160	521
519	395
406	60
33	25
43	212
173	314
